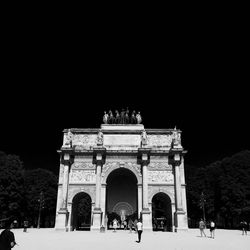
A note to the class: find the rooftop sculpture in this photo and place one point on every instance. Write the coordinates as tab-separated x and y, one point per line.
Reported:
122	117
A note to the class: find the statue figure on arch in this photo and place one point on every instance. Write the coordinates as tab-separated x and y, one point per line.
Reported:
105	117
100	138
68	139
138	117
144	138
176	138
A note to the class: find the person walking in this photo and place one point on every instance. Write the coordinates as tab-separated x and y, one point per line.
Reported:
139	230
212	229
7	238
244	227
202	227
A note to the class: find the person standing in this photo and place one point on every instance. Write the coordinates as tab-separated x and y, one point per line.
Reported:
202	227
139	229
115	224
212	228
7	238
244	227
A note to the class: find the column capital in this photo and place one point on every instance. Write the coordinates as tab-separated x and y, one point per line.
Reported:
99	155
175	157
144	155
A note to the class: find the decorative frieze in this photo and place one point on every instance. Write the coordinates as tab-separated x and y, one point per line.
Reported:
160	177
84	141
82	176
83	165
159	141
159	165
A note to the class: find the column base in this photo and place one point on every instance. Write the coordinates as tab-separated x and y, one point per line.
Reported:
97	218
181	222
146	219
61	220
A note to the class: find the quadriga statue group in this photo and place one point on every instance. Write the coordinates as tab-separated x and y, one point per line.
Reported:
122	117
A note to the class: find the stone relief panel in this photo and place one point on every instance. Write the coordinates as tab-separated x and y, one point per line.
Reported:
159	165
73	190
82	176
153	190
160	177
159	141
83	165
84	141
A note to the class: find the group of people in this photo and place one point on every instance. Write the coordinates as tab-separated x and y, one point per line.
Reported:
122	118
202	226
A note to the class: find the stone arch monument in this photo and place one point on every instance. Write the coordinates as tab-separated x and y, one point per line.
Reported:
155	157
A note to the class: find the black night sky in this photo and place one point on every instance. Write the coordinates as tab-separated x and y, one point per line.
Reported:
196	82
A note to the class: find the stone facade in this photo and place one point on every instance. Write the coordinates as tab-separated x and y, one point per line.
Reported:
154	156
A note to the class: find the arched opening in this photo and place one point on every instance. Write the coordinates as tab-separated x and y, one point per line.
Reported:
121	199
161	212
81	212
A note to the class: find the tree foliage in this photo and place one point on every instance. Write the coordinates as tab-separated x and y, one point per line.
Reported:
20	190
226	186
11	186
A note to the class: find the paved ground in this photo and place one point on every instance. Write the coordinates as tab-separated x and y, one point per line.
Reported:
49	239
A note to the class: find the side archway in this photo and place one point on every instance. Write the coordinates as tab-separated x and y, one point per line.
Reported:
81	212
161	212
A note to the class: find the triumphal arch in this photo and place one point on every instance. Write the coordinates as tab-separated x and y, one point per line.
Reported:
122	170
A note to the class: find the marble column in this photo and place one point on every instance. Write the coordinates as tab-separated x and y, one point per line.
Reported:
147	224
139	192
103	204
97	213
180	218
62	215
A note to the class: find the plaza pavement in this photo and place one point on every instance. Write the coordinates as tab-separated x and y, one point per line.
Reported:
49	239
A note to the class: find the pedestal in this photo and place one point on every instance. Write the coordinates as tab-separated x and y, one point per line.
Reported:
61	220
181	221
146	220
97	216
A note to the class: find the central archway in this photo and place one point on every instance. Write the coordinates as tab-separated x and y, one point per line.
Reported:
121	195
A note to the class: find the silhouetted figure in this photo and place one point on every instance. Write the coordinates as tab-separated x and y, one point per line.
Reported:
7	238
111	118
133	118
117	117
243	225
127	117
122	121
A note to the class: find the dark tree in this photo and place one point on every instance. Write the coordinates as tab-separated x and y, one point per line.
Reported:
37	181
11	186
